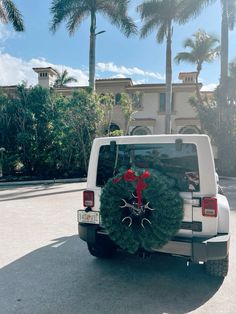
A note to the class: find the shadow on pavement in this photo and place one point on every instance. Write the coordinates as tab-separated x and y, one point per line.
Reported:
15	196
64	278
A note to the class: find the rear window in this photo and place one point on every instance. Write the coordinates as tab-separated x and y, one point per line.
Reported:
180	163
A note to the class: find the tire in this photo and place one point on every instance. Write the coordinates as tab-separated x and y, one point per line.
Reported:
102	249
218	268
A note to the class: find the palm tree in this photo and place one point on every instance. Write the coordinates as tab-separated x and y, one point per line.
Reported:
232	69
203	49
228	21
160	15
10	14
76	11
63	79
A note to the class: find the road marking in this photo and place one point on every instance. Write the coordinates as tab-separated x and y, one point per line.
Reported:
58	244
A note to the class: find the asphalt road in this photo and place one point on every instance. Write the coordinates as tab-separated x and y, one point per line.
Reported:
46	268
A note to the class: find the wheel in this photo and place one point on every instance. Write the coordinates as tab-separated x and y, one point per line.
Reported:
102	249
218	268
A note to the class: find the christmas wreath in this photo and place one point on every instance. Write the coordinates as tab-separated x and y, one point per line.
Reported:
141	210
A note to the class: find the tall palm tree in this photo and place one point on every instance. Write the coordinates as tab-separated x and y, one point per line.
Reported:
202	49
10	14
228	22
160	15
63	79
76	11
232	69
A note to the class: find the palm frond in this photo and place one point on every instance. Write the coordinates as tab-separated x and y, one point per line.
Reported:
61	10
162	32
189	43
203	49
12	14
63	79
190	9
148	27
149	9
76	18
3	15
185	57
116	12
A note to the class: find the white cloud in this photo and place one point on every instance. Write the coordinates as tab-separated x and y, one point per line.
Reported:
122	70
5	33
117	76
15	70
209	88
138	82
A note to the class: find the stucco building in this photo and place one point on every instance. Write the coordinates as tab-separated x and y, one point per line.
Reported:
149	117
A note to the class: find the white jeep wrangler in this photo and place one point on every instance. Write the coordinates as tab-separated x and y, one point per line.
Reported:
187	160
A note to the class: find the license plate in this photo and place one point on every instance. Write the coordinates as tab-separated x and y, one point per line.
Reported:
89	218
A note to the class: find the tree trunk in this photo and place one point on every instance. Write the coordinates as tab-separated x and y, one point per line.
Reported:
224	60
224	42
168	80
92	49
199	97
84	153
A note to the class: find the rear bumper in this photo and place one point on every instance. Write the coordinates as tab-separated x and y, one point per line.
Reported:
196	249
211	249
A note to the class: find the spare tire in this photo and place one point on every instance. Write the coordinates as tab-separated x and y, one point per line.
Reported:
141	224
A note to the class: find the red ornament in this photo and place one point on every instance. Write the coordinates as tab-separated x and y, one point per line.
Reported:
130	175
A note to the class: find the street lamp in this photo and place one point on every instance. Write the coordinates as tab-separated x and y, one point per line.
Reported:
2	150
101	32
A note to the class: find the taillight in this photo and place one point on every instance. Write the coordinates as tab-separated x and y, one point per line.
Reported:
88	197
209	207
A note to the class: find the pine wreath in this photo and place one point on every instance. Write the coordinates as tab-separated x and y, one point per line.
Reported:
141	210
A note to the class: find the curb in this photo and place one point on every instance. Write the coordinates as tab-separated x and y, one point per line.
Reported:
16	183
74	180
227	178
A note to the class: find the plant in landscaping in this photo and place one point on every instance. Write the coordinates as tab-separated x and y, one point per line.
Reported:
223	135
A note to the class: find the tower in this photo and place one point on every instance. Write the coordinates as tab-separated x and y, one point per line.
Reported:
46	76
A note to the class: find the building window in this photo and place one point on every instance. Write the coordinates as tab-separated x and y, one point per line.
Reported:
163	102
141	130
189	129
117	98
43	74
113	127
137	100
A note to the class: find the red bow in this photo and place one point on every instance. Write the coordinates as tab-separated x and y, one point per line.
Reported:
129	175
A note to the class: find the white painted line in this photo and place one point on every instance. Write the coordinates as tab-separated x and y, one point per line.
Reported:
58	244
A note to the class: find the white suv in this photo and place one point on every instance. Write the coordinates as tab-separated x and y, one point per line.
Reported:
203	232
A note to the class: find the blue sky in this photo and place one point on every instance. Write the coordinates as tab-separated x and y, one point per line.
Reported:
116	56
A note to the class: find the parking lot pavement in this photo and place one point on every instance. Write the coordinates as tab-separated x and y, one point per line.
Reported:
46	268
229	188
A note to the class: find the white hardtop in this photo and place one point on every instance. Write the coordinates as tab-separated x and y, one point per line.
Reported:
208	184
162	138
